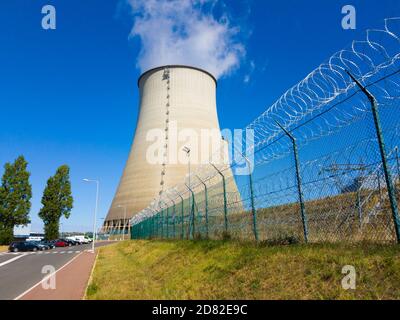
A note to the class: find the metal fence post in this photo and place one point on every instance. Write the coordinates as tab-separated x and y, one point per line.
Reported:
359	208
174	213
298	178
206	202
159	224
182	218
398	167
149	228
193	216
225	201
155	226
136	232
173	219
191	211
381	142
153	231
155	222
162	223
167	222
173	222
150	220
253	209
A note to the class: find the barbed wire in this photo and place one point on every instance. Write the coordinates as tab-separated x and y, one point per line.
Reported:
324	103
311	107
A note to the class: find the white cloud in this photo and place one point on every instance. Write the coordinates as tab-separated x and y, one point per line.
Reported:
185	32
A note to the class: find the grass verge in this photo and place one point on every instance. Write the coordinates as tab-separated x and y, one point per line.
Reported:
3	248
230	270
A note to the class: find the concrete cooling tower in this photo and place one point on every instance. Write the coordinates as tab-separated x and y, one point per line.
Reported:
172	99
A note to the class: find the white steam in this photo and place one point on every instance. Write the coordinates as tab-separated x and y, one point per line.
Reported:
185	32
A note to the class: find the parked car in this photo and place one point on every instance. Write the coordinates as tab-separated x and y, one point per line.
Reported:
74	242
68	242
48	244
61	243
41	246
81	239
24	246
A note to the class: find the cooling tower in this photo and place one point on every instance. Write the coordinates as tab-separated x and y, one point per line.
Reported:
172	99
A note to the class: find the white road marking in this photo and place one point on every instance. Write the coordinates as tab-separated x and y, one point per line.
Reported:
11	260
42	252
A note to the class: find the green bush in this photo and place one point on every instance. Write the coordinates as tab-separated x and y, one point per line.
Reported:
6	235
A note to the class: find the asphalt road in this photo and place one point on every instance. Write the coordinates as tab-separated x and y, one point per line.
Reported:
20	271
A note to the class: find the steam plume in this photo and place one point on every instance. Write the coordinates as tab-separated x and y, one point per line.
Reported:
185	32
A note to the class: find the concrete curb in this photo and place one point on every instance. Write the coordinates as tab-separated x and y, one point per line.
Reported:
91	276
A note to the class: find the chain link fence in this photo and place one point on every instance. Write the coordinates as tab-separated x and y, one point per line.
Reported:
324	163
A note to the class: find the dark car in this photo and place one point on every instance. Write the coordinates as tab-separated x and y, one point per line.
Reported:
24	246
48	244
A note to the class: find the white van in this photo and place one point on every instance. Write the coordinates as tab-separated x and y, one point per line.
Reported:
34	238
81	239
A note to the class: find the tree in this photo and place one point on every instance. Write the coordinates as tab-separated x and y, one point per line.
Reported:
57	201
15	198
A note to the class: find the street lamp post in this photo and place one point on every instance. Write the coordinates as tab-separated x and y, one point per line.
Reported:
187	150
95	210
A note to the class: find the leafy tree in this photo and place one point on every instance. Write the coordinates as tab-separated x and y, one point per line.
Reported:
57	201
15	196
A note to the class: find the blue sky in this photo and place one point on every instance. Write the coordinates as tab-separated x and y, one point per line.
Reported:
69	96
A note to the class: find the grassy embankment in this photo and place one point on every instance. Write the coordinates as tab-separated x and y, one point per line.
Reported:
3	248
231	270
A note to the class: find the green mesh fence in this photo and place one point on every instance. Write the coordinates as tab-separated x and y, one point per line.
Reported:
324	163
